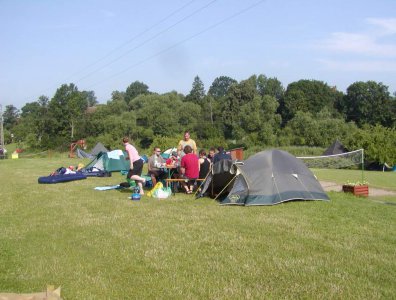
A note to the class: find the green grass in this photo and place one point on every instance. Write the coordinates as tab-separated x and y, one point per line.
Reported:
101	245
383	180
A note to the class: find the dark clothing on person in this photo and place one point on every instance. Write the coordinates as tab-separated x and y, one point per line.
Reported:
204	168
220	156
137	168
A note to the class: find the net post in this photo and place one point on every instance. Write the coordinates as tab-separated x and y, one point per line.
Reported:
362	165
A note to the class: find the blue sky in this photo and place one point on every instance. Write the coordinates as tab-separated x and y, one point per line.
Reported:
105	45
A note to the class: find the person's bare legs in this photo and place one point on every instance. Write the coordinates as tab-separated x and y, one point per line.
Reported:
140	184
191	184
139	180
185	186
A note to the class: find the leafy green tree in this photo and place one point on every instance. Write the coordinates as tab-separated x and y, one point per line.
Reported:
318	130
238	95
197	92
164	142
165	114
209	123
393	113
308	96
10	116
117	106
270	86
67	107
378	142
368	103
90	97
260	120
37	124
135	89
220	86
94	123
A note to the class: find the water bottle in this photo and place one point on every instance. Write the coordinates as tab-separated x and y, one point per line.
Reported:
136	194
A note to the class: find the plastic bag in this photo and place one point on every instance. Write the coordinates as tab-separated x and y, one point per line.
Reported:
162	193
159	185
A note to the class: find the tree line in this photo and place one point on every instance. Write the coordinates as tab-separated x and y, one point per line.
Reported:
257	111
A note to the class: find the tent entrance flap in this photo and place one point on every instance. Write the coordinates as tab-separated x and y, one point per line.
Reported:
220	179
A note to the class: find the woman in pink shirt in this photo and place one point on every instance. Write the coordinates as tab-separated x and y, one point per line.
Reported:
136	164
189	169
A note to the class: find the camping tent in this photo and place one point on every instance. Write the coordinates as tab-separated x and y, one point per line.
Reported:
99	147
335	148
95	151
168	152
110	161
267	178
82	154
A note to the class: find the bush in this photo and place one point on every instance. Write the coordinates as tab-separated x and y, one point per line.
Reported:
164	142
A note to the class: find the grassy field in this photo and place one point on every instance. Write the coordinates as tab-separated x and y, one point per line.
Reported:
101	245
382	180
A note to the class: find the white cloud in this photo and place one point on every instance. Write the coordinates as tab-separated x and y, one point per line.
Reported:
366	43
386	26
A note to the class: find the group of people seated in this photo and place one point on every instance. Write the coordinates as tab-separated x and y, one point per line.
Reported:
185	163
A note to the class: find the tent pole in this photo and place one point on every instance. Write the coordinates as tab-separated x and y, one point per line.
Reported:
202	182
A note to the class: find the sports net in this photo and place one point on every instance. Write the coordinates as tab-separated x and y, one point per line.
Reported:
336	161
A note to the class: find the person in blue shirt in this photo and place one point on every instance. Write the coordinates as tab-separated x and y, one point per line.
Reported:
221	155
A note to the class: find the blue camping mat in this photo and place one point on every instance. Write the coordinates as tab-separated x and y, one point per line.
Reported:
61	178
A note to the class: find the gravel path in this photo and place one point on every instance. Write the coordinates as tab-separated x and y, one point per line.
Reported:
332	186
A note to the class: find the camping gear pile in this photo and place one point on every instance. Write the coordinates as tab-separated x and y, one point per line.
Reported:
102	164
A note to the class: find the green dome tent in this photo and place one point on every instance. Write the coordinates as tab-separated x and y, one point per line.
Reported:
110	161
266	178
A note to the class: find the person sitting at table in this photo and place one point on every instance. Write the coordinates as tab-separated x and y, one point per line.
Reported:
211	154
174	162
204	163
189	169
156	163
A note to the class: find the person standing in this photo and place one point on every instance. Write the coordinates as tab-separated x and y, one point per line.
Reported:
184	142
136	164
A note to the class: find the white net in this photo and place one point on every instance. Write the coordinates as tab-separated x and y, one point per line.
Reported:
336	161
